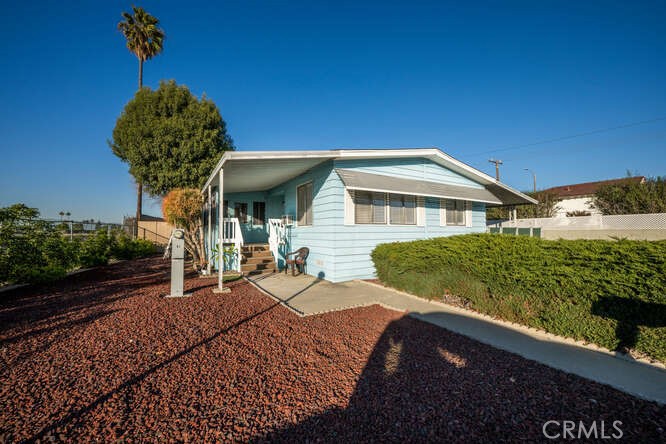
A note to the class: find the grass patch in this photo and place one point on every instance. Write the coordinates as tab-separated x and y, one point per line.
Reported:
610	293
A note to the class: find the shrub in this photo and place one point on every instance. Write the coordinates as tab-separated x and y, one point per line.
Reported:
30	248
96	249
34	251
103	245
125	247
609	293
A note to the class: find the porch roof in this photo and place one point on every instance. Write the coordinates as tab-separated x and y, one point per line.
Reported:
262	170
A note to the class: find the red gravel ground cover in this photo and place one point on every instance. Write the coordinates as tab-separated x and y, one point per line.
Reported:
103	357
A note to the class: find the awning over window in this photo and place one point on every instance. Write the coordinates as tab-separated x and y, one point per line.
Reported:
355	180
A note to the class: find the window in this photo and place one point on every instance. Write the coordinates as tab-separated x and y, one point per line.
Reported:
370	207
304	204
241	212
258	213
225	208
455	212
403	209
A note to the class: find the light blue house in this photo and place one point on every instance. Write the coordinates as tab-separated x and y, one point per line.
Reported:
342	203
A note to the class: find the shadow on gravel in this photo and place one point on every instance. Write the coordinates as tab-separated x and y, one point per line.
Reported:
84	292
58	310
76	414
281	300
424	385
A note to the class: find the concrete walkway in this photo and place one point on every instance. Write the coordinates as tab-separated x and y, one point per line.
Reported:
306	295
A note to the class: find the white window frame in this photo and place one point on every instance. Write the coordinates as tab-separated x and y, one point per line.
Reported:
298	224
386	218
350	208
467	212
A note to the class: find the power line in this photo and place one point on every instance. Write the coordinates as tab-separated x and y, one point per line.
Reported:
573	136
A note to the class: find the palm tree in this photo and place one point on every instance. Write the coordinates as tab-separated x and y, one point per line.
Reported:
145	40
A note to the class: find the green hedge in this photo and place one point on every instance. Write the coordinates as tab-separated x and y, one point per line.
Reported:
609	293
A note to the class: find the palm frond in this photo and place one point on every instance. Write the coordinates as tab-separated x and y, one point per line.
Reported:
144	38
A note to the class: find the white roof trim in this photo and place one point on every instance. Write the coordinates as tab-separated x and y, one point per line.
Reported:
432	153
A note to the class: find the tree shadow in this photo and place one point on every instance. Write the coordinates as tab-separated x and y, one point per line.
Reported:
78	413
90	290
630	314
46	314
426	384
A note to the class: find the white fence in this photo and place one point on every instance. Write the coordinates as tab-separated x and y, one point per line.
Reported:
655	221
628	226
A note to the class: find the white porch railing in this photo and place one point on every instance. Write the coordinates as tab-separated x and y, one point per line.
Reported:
231	234
277	236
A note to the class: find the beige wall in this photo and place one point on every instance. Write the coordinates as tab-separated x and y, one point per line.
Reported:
156	231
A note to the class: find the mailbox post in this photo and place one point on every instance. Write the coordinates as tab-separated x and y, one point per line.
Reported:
177	263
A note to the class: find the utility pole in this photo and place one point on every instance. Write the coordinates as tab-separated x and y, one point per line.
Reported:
497	163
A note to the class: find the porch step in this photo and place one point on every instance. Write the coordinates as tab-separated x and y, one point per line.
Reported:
257	254
257	259
255	248
253	268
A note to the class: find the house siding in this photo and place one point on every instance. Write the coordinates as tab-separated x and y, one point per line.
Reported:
354	243
340	252
319	236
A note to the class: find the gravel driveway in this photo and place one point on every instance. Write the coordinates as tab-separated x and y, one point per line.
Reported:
102	356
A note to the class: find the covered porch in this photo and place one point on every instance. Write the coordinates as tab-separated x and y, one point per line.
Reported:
246	193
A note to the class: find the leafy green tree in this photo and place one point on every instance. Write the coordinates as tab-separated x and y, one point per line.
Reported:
169	138
632	197
145	40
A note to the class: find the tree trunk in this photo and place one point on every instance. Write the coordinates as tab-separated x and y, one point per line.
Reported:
140	73
139	184
139	209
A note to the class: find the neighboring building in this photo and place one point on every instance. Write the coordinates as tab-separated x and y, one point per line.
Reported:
576	199
154	229
342	203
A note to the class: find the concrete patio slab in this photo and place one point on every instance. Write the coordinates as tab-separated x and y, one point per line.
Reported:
306	295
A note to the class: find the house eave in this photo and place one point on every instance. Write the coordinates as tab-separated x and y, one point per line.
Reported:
434	154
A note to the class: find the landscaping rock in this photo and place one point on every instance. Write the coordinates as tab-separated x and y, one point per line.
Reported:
102	356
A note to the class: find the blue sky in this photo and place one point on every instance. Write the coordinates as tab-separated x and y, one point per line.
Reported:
467	78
